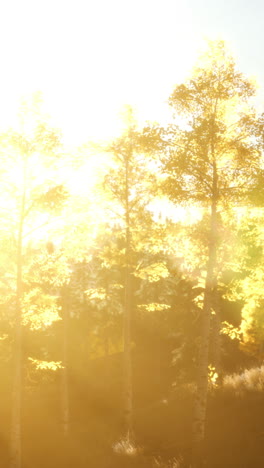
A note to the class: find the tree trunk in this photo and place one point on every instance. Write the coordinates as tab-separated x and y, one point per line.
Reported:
15	436
215	342
200	402
15	442
128	391
65	370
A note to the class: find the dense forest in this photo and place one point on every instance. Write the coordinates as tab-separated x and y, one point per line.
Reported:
132	271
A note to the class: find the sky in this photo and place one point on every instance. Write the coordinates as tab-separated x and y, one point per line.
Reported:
91	57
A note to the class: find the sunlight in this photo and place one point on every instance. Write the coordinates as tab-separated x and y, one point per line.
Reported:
131	238
164	209
86	76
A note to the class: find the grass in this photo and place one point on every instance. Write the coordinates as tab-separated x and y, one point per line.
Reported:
126	446
173	463
250	380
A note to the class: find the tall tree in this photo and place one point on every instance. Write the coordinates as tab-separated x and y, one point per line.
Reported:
213	153
32	191
128	183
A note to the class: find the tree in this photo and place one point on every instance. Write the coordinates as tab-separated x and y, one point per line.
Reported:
33	192
128	184
212	158
247	284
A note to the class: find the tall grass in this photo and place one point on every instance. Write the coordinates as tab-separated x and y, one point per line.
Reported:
250	380
173	463
126	446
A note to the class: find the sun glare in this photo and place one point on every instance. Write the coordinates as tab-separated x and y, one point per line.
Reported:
88	69
131	238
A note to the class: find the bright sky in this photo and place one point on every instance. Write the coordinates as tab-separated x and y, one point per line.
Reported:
90	57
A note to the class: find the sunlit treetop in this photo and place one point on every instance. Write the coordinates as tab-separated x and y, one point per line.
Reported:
33	135
215	144
31	154
214	78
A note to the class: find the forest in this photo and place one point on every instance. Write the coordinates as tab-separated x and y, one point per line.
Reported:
132	271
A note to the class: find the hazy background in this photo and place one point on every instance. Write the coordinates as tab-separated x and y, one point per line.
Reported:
90	57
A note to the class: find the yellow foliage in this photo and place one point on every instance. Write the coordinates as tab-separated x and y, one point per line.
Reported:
96	293
154	307
39	310
212	376
153	272
231	331
46	365
251	292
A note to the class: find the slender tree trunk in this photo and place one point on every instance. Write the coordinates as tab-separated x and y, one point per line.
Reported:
200	403
128	392
106	337
215	342
15	436
65	370
15	449
106	346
